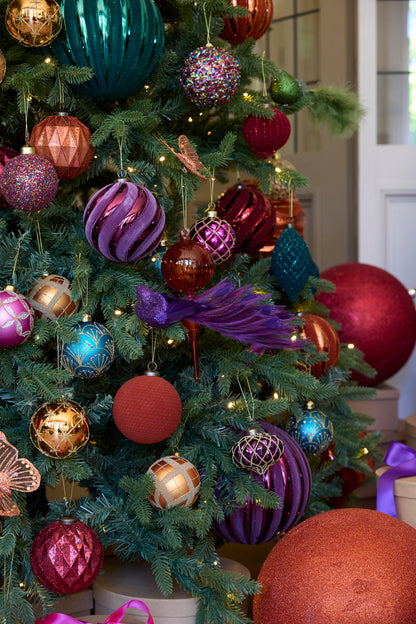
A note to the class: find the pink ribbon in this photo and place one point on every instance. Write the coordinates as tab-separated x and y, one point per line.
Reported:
114	618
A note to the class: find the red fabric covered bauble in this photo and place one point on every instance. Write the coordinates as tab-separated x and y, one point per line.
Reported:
187	266
147	409
255	24
266	136
325	338
251	215
66	556
376	314
65	142
6	154
345	566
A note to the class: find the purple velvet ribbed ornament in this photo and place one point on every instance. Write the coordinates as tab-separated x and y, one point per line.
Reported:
124	222
290	478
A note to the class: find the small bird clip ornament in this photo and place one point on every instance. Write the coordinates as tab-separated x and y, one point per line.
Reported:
188	156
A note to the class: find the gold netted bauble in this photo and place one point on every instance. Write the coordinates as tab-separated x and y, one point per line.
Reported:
34	23
50	297
59	429
176	481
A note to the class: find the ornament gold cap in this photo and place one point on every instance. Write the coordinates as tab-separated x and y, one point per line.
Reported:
62	114
67	520
211	213
310	405
86	318
152	370
10	288
27	149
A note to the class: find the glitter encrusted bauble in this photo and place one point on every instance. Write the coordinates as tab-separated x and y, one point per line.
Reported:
120	40
16	318
124	222
325	338
312	430
28	182
250	214
187	266
59	428
92	353
255	24
344	565
210	76
66	556
216	235
257	451
65	142
34	23
290	478
265	136
51	297
147	409
6	154
177	482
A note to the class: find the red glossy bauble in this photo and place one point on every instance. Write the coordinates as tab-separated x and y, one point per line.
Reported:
66	556
255	24
346	566
325	338
6	154
65	142
376	314
266	136
250	213
187	266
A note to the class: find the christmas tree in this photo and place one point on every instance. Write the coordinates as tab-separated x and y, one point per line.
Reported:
140	336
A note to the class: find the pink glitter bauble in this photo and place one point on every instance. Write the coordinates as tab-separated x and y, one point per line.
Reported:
29	182
6	154
266	136
66	556
216	235
16	318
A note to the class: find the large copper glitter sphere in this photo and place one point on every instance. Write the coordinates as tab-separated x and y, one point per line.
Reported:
59	429
176	480
34	23
51	297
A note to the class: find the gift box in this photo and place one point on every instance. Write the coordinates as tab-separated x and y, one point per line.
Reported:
117	617
410	430
76	605
396	483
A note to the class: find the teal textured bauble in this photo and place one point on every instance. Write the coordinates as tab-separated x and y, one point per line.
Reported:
91	354
120	40
312	430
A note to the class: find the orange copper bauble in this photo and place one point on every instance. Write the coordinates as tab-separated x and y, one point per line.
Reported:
59	429
65	142
345	566
287	211
187	266
34	23
325	338
255	24
51	297
176	480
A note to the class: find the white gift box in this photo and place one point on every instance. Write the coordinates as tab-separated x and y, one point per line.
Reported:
404	491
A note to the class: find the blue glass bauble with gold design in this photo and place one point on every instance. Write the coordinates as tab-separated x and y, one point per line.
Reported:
120	40
312	430
91	353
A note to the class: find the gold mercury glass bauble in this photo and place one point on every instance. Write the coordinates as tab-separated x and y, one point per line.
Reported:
34	23
59	429
50	297
176	480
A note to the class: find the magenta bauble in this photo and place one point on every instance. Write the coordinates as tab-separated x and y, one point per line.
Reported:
6	154
376	314
216	235
28	182
124	222
16	318
290	478
266	136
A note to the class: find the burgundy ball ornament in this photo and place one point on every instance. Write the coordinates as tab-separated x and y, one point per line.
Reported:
28	182
124	222
216	235
290	478
251	215
344	565
376	314
187	266
266	136
66	556
16	318
6	154
257	451
255	24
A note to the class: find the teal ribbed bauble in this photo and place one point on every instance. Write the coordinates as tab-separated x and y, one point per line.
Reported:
312	430
91	353
120	40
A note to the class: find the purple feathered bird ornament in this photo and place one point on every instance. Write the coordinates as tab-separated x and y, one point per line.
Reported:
237	313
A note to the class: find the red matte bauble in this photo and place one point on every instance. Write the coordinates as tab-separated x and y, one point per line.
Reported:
345	566
266	136
6	154
187	266
147	409
250	213
325	338
65	142
376	314
66	556
255	24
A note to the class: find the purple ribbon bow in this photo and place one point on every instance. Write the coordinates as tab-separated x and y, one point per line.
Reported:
114	618
402	460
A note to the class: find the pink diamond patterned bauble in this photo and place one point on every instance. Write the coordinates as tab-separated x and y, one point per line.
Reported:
66	556
16	318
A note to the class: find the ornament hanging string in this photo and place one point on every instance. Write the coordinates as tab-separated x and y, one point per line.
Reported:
184	197
19	243
207	24
211	205
68	501
38	237
10	571
251	415
263	76
26	101
153	341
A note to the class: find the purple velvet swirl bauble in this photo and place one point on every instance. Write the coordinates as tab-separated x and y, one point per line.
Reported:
29	182
124	222
216	235
290	478
210	76
16	318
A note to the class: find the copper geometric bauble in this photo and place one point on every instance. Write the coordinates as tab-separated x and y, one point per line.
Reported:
34	23
176	482
51	297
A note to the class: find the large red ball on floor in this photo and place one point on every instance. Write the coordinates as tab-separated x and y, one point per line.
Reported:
147	409
376	314
345	566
